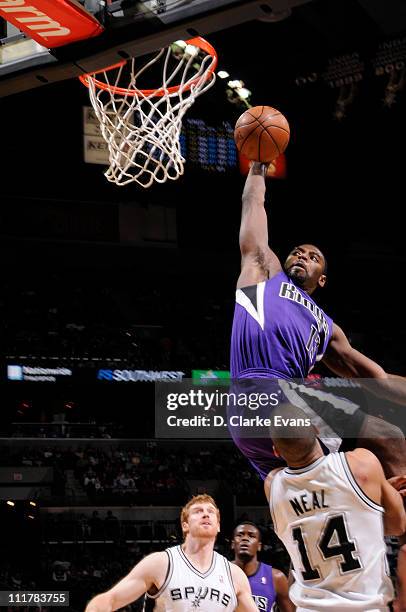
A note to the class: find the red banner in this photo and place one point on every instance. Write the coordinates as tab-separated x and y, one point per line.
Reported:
51	23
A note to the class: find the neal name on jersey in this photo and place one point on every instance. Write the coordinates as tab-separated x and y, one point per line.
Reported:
308	501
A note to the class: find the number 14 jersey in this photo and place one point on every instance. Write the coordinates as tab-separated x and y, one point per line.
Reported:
334	535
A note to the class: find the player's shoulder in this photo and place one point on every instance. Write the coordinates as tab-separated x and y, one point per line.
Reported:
364	465
280	275
276	573
362	455
237	573
280	581
278	576
223	557
156	559
266	567
153	567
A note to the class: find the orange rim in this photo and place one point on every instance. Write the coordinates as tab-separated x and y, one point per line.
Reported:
196	42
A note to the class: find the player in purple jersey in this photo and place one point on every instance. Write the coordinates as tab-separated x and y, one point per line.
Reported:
279	332
268	585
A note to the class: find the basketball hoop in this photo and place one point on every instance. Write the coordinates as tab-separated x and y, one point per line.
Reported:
142	126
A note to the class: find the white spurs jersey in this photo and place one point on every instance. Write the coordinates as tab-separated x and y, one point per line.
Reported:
186	589
334	535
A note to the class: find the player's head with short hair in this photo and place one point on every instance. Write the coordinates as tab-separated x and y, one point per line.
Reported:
306	265
293	435
200	517
246	541
250	524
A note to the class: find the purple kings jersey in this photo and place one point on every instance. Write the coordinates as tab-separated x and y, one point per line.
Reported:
262	587
278	331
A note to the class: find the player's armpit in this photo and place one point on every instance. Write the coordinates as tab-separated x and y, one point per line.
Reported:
258	266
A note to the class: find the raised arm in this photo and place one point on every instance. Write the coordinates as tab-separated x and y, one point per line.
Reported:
136	583
258	261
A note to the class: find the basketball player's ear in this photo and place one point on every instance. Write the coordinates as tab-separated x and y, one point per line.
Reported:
275	452
185	528
259	546
322	280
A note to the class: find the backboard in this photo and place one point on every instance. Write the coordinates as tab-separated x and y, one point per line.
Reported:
116	29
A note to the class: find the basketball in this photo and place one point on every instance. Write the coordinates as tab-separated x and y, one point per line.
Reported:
261	133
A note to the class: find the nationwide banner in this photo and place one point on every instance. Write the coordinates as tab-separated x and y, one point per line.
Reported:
27	373
59	373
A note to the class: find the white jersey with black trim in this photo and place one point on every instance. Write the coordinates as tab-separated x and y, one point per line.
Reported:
186	589
334	535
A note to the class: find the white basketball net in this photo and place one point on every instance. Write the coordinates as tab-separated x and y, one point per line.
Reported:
142	127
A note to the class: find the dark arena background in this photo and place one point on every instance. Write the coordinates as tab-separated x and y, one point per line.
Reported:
103	287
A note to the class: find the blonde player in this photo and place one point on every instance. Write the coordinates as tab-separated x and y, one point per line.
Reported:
331	513
187	577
